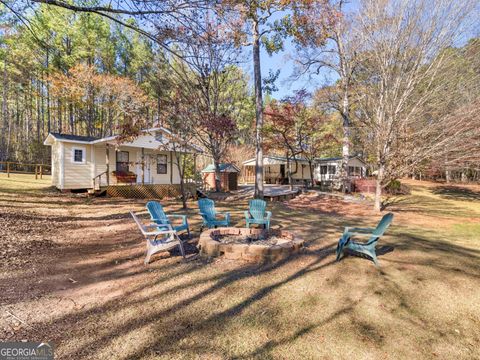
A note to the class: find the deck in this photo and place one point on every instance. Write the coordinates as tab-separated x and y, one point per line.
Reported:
270	192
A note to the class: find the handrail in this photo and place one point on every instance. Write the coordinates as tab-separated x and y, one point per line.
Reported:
99	176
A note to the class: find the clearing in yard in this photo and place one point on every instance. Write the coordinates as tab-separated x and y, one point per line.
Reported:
72	273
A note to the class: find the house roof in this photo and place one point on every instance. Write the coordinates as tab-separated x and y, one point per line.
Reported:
276	160
74	137
109	139
228	167
272	160
339	159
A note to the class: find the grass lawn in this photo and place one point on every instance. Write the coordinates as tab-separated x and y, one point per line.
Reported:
72	271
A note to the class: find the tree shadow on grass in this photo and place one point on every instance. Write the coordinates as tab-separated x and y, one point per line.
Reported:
178	287
427	206
380	251
457	193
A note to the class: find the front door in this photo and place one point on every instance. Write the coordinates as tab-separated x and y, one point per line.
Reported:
146	169
282	173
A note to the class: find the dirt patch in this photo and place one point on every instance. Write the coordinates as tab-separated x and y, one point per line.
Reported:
84	286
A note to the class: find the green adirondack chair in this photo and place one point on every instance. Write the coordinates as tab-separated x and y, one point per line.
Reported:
367	248
210	215
257	214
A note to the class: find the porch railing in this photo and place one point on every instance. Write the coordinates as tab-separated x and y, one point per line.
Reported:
99	177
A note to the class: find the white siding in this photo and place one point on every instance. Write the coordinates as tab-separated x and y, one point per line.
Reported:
56	164
77	175
135	154
66	174
337	163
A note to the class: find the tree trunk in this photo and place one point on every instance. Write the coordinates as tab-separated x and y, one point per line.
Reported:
378	188
289	174
3	140
310	166
216	163
345	142
258	113
181	165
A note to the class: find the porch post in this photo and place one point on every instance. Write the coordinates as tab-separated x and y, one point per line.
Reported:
171	167
143	166
194	165
107	162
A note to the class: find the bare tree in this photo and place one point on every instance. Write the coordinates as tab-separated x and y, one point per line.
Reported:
338	55
403	51
208	90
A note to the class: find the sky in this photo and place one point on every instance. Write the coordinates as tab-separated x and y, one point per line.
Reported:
284	61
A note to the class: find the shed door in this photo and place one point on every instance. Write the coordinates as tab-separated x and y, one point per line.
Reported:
232	181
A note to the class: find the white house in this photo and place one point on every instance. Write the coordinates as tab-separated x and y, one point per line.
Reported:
82	162
328	169
324	169
275	170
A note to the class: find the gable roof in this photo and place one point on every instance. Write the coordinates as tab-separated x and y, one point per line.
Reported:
68	138
272	160
276	160
340	158
60	136
227	167
96	140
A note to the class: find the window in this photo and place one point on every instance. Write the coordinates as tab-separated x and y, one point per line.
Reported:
78	155
122	161
332	169
323	169
161	164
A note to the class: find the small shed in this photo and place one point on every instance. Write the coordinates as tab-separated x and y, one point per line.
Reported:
228	177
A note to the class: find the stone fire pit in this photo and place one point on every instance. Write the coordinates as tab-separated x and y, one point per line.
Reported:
254	245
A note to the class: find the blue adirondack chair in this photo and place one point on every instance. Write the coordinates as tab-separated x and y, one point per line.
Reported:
158	216
209	215
367	248
256	213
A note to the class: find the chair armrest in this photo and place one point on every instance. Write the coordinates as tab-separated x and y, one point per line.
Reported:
183	217
358	230
155	220
269	215
157	232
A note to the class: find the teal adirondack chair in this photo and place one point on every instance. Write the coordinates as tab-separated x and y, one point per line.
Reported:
256	213
209	214
367	248
158	216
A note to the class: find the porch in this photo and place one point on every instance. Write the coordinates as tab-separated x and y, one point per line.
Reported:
150	191
129	165
275	171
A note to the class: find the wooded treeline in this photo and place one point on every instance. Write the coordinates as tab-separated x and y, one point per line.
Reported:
75	73
405	89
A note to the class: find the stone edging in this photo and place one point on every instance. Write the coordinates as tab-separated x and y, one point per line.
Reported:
248	252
